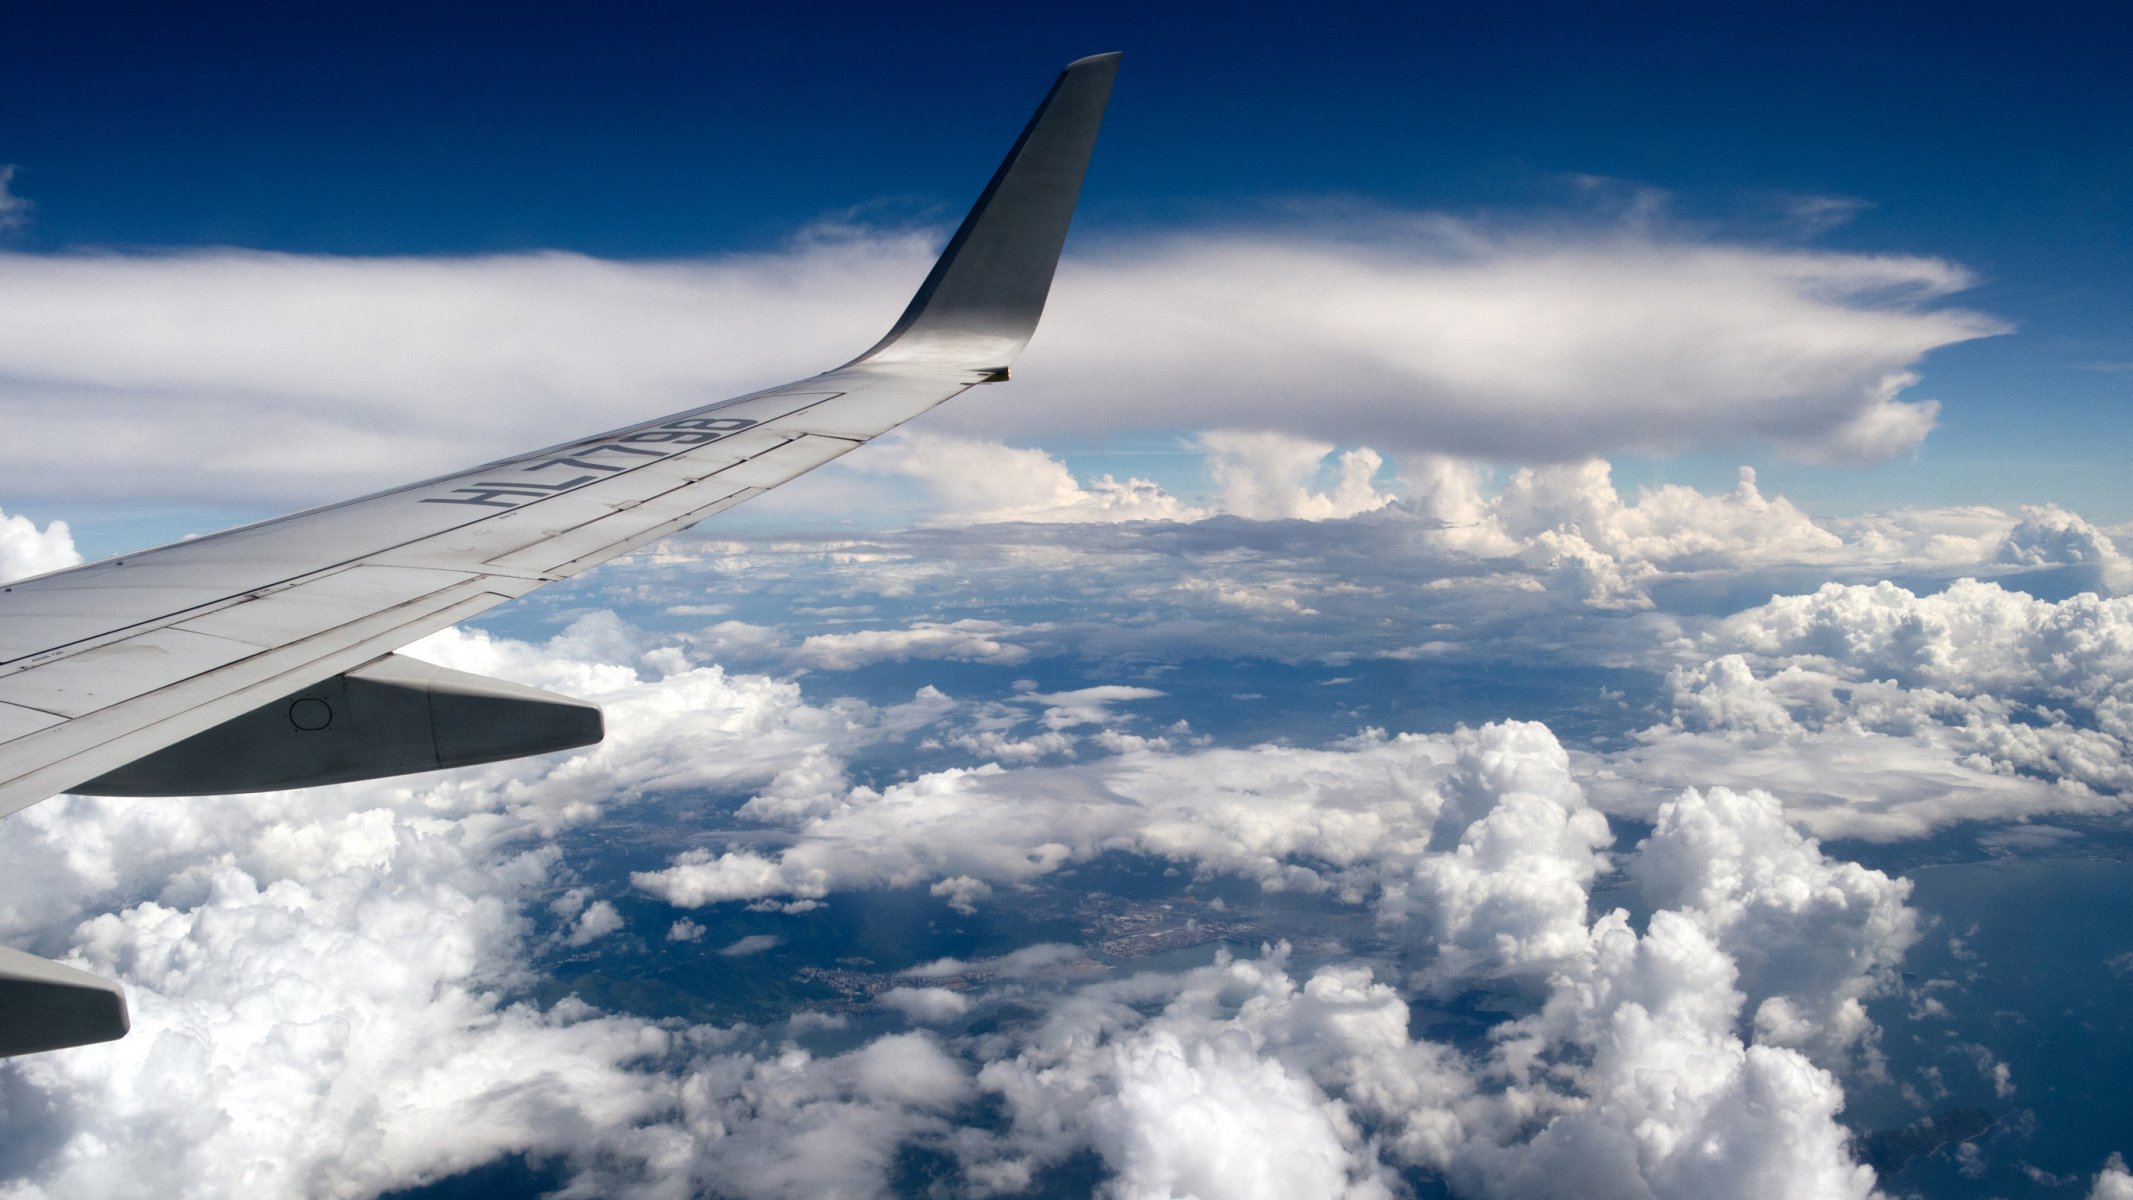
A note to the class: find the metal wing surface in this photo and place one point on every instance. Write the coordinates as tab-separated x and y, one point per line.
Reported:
106	663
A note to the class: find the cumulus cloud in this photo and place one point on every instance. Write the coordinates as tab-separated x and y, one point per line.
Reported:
2050	536
1439	335
1266	475
981	480
1572	529
1312	819
926	1005
1874	711
300	968
1262	475
1690	1110
1704	1053
1635	1076
273	1002
26	550
1812	937
323	985
957	641
1518	847
1016	964
2114	1182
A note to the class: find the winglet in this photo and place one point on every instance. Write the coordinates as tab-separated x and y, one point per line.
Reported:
978	308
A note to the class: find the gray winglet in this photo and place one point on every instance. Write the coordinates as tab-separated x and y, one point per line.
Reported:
978	308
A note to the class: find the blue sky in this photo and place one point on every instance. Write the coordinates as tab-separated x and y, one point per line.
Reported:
1997	141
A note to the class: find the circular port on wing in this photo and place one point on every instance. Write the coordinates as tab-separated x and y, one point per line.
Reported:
310	714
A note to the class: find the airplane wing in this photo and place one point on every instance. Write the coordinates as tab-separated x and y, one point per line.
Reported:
261	656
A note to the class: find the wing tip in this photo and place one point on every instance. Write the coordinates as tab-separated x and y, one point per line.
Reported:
980	304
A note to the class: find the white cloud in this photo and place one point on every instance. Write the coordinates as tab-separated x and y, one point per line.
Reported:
1192	1101
787	1125
1351	815
1266	475
599	919
1436	336
27	550
926	1005
956	641
1689	1111
297	966
1213	1118
1439	335
1517	849
322	991
1085	706
1873	711
2114	1182
979	480
1569	526
340	1030
1812	937
2050	536
1700	1056
1015	964
754	943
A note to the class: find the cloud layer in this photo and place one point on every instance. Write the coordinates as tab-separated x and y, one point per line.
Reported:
1546	344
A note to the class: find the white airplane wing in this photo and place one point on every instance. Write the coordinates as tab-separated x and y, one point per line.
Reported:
260	657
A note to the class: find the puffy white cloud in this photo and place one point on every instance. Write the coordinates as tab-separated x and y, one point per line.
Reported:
981	480
1015	964
340	1033
1688	1109
1812	937
1973	637
27	550
1441	336
1877	712
1629	1083
1197	1100
787	1125
1670	527
1572	529
296	966
322	990
2114	1182
2050	536
1518	848
926	1005
1215	1119
1313	819
1266	475
1262	475
956	641
599	919
1085	706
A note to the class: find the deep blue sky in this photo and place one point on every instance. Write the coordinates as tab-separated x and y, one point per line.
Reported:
2003	141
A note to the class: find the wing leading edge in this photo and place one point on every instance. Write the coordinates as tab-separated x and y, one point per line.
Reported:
108	663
